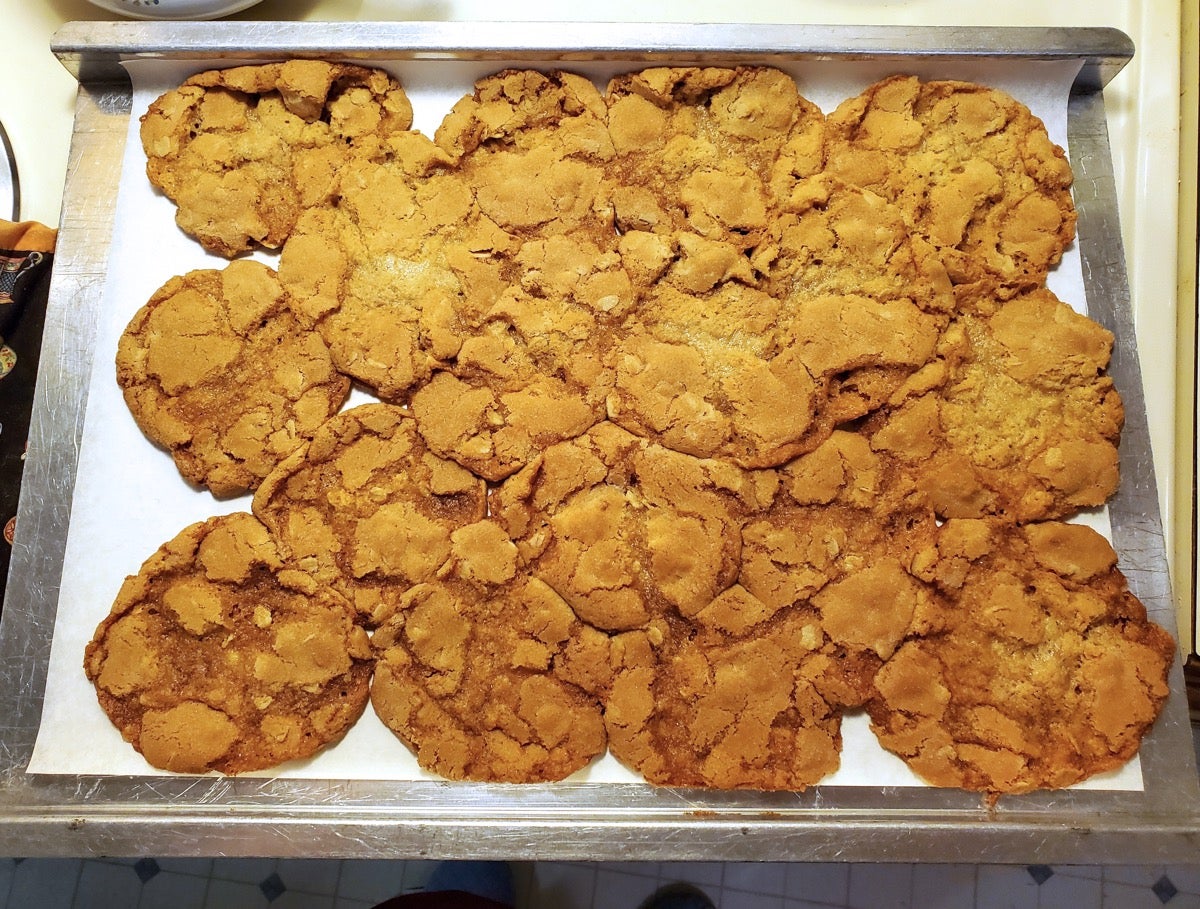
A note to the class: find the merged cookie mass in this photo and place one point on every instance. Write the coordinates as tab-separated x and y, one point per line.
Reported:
703	418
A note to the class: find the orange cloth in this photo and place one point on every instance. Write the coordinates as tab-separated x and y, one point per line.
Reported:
27	235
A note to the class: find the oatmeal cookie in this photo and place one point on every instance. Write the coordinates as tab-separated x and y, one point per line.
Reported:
854	307
486	674
529	150
718	375
1023	423
624	530
706	710
528	377
391	271
972	169
1043	670
243	151
367	509
703	157
218	370
217	657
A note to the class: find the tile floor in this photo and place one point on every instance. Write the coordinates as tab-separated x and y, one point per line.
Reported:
346	884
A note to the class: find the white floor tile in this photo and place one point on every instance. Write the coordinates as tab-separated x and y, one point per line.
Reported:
1005	887
1185	877
621	889
106	886
44	883
818	882
310	875
416	874
741	899
171	890
880	886
756	877
243	870
792	903
563	885
1089	872
1062	891
198	867
300	900
1131	896
371	880
943	886
227	894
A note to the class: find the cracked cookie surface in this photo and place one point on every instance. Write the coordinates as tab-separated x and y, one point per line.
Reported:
624	530
703	158
216	657
486	674
243	151
217	370
974	171
367	509
1023	422
1041	670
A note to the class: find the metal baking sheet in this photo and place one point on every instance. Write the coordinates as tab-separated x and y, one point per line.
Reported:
81	814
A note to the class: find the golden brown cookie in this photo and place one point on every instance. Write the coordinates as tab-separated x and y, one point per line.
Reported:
1042	670
718	375
486	674
624	530
243	151
528	377
367	509
217	369
854	307
532	145
217	657
972	169
529	150
710	711
703	156
1023	421
387	271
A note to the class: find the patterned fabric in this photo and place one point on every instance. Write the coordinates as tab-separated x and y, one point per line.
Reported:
24	282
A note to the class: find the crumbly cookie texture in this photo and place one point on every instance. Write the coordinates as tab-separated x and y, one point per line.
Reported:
366	508
217	657
383	271
1042	669
854	308
486	674
218	370
242	152
726	713
974	171
624	530
530	151
1023	422
716	375
703	158
750	693
704	418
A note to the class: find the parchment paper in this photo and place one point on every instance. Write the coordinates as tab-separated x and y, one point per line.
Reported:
129	499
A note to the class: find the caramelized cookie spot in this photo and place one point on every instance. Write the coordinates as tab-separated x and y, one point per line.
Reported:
367	509
234	671
1040	673
217	369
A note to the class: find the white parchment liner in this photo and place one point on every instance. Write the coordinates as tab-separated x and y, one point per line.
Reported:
129	499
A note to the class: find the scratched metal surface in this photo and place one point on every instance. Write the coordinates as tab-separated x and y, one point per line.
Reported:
58	815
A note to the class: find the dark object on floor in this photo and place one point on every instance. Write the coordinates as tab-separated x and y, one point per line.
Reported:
678	896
